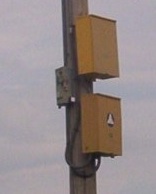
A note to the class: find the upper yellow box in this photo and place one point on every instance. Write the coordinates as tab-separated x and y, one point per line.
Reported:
97	47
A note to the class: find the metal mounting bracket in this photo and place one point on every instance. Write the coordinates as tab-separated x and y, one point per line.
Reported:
64	86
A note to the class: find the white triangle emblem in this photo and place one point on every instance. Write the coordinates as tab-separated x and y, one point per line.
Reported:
110	120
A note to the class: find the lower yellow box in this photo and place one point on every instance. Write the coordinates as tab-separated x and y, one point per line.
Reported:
101	125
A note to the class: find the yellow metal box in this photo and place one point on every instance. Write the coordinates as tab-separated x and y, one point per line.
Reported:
101	125
97	47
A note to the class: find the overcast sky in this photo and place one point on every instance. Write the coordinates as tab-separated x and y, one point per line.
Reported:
32	129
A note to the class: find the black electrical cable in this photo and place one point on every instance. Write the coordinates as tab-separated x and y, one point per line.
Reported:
68	157
83	174
69	148
91	162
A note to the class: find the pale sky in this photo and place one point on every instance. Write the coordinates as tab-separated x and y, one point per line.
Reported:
32	128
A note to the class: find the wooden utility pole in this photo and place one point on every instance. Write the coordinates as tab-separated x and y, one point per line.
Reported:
78	184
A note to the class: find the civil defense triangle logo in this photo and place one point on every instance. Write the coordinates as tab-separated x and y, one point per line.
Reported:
110	120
